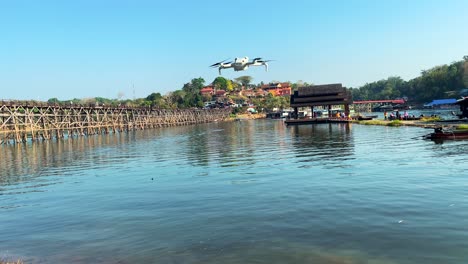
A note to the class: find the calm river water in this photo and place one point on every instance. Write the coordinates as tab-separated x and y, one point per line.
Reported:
240	192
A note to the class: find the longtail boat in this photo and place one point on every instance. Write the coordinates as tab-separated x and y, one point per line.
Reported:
440	133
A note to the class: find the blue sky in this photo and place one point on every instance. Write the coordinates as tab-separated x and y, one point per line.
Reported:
80	49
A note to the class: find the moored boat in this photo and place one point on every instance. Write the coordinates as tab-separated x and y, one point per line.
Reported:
362	118
440	133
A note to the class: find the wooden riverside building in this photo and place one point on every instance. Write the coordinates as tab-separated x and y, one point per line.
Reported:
21	121
326	95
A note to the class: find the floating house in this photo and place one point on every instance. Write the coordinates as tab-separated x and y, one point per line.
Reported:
327	95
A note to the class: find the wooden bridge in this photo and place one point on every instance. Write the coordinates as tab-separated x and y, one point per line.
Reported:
367	105
20	122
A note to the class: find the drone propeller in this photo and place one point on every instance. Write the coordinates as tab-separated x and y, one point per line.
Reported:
218	63
257	59
263	61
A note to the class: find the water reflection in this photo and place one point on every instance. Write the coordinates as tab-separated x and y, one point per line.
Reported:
226	144
24	162
241	192
198	146
322	141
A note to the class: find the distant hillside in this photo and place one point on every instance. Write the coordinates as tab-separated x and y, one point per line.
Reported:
440	82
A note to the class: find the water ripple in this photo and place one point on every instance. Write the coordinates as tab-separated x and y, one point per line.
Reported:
241	192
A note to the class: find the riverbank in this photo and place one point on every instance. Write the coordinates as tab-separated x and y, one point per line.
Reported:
248	116
426	123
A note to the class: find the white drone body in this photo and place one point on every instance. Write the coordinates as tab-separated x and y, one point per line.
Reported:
240	64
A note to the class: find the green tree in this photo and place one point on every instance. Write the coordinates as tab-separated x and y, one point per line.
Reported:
244	80
194	86
465	72
259	104
156	100
279	102
53	101
207	97
229	86
284	102
236	86
220	83
439	82
103	101
175	99
192	96
154	97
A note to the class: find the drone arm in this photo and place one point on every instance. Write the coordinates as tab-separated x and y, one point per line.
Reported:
266	66
219	69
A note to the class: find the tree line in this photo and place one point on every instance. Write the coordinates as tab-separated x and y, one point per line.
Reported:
439	82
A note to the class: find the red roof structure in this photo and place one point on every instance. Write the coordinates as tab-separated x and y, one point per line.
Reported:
278	89
220	93
207	90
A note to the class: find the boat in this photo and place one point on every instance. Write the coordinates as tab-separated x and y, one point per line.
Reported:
412	118
441	133
364	117
360	117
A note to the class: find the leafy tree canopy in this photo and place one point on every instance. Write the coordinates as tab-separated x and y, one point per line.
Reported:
444	81
244	80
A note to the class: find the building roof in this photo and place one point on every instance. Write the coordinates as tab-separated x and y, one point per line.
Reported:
261	92
248	93
324	89
282	85
326	94
442	102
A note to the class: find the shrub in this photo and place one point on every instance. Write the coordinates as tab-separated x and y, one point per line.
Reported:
395	123
373	122
430	119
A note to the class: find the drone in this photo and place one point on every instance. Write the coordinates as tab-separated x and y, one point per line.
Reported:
240	64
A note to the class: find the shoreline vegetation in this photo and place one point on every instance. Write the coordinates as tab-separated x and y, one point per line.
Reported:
425	123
